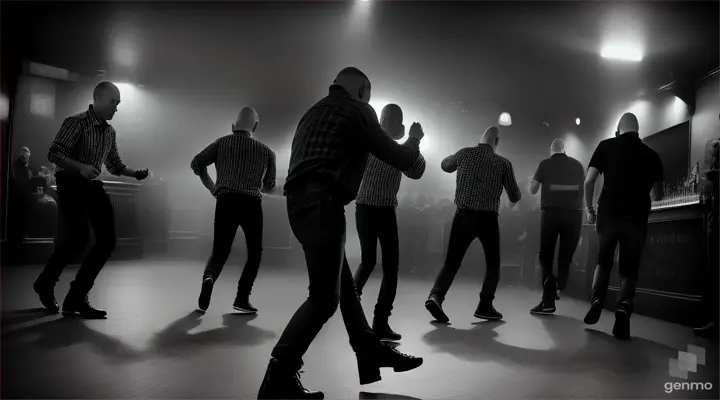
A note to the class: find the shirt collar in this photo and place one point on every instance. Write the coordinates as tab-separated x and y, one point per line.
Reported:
92	118
633	135
339	91
485	146
559	154
243	133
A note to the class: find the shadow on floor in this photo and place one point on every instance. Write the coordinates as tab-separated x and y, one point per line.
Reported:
15	317
597	351
175	339
384	396
65	332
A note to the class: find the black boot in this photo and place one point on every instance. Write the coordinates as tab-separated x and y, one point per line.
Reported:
382	356
593	315
76	303
621	329
206	293
47	297
485	310
242	304
282	382
434	305
383	331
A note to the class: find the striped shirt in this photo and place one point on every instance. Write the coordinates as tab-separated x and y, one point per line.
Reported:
332	143
481	177
381	182
84	139
244	165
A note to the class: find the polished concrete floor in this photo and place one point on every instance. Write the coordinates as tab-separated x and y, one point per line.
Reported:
153	345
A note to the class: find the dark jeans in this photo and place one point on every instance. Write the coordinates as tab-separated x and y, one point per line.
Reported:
232	211
466	227
373	224
628	231
82	203
318	222
566	225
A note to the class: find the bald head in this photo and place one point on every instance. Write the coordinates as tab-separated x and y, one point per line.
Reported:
491	137
246	121
557	146
106	98
391	120
354	82
628	123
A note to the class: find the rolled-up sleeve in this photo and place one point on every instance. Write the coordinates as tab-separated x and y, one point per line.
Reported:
204	159
65	140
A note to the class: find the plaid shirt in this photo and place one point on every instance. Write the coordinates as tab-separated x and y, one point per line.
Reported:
84	139
481	177
244	165
332	143
381	182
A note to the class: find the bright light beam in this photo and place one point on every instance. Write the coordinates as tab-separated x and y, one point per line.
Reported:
622	53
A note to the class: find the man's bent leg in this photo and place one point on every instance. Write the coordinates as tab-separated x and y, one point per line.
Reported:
569	238
608	237
549	231
366	220
488	231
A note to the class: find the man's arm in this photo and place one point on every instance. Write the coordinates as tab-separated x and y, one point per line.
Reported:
418	168
510	184
450	163
381	146
200	163
270	174
590	179
65	141
536	180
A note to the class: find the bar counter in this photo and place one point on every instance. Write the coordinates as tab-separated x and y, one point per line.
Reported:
672	268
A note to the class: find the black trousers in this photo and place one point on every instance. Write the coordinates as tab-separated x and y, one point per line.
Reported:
83	204
318	222
564	224
373	224
466	227
628	232
232	211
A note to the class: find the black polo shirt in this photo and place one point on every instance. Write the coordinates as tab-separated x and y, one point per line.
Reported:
630	170
562	179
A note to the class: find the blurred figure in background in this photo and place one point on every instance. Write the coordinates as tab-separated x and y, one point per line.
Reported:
376	221
561	178
22	188
245	170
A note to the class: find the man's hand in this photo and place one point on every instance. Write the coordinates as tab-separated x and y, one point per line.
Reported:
591	216
142	174
89	172
416	131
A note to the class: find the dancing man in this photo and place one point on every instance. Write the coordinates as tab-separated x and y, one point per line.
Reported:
328	158
481	176
245	169
562	180
84	143
631	170
375	215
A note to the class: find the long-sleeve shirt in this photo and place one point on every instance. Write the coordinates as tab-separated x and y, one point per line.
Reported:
244	165
481	177
83	138
332	143
381	182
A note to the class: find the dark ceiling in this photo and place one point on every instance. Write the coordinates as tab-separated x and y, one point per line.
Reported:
467	60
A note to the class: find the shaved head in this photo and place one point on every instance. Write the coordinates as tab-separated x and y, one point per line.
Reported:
106	98
391	120
628	123
247	120
557	146
354	82
491	136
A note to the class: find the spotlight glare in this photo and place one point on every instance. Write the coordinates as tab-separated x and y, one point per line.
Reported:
577	121
623	53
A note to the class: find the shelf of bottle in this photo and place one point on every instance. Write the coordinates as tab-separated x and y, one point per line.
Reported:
672	201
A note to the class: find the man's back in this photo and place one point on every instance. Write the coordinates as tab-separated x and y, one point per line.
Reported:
562	179
481	176
630	170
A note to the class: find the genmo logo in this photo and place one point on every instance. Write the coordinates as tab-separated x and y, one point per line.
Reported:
680	368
